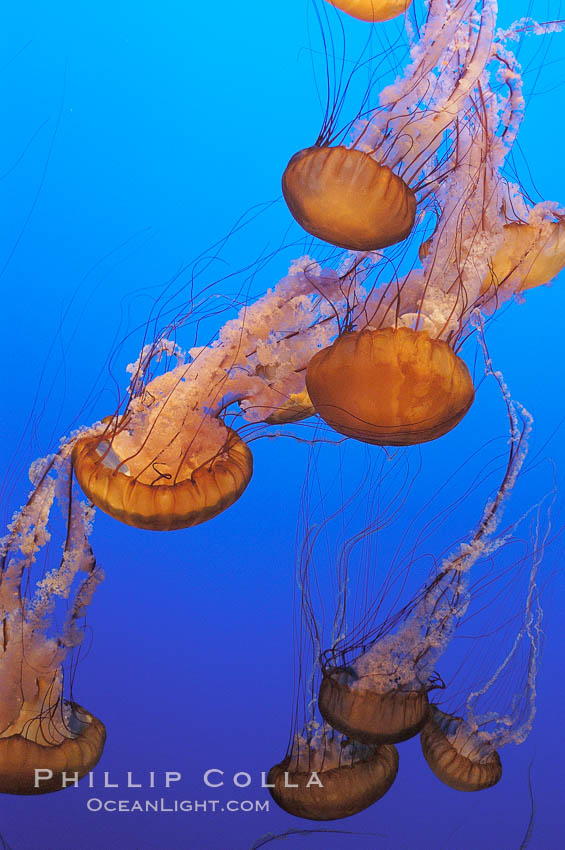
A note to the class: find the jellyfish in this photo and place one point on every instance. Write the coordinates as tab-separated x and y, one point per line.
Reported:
298	407
46	740
463	751
345	197
327	776
150	491
372	10
454	761
391	387
367	715
530	255
364	195
169	459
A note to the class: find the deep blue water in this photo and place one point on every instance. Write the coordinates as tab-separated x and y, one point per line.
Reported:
134	136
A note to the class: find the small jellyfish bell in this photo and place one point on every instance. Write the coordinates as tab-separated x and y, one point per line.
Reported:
462	751
390	387
451	751
530	255
170	460
372	10
297	407
326	776
34	763
41	730
347	198
131	476
355	706
359	186
163	466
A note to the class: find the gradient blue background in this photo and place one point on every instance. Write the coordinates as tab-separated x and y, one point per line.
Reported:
134	134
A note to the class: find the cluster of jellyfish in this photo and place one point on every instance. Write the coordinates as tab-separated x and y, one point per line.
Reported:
367	346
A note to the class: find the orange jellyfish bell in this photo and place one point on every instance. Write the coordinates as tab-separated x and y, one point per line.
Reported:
390	387
345	197
372	10
21	756
156	498
337	792
453	758
529	256
296	407
367	715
